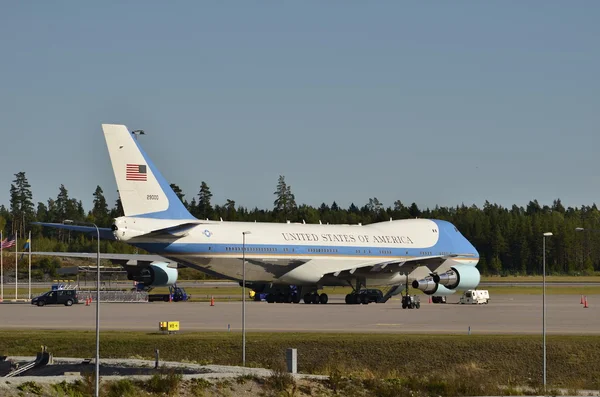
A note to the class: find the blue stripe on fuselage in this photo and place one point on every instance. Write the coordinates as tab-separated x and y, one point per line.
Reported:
450	241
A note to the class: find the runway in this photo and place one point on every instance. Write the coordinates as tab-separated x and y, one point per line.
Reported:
505	314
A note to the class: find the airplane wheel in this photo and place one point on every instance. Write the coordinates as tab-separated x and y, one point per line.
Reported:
296	298
364	300
348	299
288	298
307	298
323	298
315	298
270	298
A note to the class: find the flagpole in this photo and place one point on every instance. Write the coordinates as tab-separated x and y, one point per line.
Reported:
1	268
29	245
16	263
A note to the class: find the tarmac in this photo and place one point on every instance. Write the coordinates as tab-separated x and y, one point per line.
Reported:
505	314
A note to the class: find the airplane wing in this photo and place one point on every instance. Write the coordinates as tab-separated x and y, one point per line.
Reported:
406	265
319	268
105	232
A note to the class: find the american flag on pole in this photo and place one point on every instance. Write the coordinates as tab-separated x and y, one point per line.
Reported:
8	242
136	172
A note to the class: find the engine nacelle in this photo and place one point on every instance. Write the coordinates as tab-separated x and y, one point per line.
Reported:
430	287
157	274
459	276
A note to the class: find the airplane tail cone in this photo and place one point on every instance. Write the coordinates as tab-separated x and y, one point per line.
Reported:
585	304
212	300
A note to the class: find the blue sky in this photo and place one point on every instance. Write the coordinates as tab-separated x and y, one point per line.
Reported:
428	102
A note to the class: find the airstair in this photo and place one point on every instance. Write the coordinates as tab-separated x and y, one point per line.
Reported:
392	291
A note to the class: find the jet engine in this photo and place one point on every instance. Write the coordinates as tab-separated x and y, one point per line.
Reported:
157	274
459	276
430	287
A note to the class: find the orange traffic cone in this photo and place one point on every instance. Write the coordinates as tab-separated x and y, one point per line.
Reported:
170	298
585	305
87	301
581	300
212	300
430	299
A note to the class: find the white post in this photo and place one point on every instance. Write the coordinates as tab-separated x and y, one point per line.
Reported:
16	263
547	234
29	245
544	310
244	299
97	389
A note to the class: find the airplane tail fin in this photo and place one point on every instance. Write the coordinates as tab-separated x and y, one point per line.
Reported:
142	188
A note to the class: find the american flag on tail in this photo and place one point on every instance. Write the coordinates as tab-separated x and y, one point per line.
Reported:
135	172
8	242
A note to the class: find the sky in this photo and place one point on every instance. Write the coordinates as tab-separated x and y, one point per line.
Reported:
438	103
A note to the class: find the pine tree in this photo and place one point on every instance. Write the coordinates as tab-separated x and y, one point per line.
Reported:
204	209
285	203
100	210
179	193
117	211
21	204
230	209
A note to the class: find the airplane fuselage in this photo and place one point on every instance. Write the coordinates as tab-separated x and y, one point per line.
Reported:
297	253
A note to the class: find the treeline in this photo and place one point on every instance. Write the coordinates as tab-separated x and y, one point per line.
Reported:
509	240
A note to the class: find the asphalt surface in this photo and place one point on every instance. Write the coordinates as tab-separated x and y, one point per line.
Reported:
505	314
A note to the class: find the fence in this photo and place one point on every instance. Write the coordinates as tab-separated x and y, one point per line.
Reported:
114	296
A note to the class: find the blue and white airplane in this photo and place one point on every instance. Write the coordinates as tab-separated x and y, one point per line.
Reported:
432	255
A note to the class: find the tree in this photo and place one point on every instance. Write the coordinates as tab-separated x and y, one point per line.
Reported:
230	209
179	194
204	209
100	210
21	204
285	203
414	211
117	210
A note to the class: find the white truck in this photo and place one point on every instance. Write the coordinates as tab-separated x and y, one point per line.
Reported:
475	297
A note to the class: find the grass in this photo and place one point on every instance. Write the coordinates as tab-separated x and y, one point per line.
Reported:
531	279
573	361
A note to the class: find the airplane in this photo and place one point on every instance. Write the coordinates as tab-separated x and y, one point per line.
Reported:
289	261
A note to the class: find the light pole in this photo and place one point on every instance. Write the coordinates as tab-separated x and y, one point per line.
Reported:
547	234
244	297
97	389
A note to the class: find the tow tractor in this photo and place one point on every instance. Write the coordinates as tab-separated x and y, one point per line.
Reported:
177	294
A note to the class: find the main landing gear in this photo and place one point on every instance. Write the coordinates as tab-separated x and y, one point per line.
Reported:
315	298
410	302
